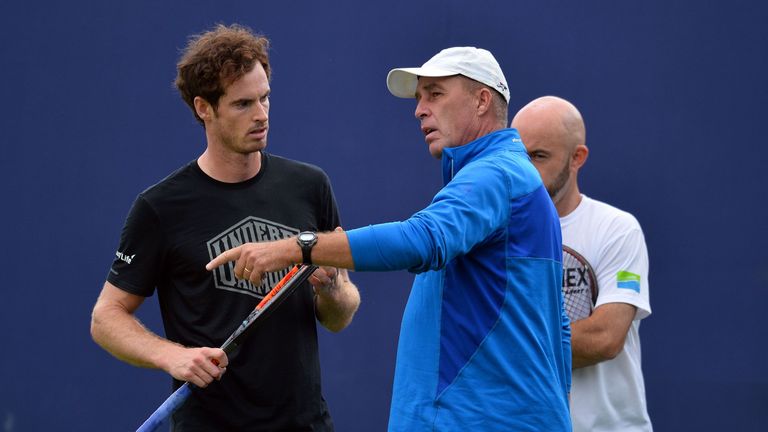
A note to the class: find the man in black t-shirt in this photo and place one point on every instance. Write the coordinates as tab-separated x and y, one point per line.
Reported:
234	193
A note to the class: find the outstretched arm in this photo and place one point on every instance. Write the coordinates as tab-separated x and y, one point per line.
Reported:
252	260
337	297
116	329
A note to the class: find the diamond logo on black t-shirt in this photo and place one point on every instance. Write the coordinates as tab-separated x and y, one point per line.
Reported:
248	230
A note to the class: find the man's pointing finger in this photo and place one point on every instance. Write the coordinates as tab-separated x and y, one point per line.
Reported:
225	257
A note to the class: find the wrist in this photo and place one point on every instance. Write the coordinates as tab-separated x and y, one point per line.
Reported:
292	251
306	240
162	358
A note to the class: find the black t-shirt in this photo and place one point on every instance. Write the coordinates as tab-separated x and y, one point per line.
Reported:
173	230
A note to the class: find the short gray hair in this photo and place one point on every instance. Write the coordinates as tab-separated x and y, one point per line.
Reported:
498	102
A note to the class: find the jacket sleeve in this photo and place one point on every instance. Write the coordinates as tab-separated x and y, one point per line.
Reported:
474	204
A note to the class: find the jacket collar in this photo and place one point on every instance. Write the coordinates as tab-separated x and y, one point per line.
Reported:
455	158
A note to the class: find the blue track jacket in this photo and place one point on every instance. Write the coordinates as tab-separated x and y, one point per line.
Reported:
484	343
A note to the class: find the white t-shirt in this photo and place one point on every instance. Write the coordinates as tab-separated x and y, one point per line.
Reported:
610	396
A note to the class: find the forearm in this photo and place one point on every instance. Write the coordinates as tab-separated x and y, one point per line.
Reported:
592	344
332	249
252	260
601	336
336	306
122	335
586	348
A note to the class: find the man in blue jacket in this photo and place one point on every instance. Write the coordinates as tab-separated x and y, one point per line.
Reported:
484	343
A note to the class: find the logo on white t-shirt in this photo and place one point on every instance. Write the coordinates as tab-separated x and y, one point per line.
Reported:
628	280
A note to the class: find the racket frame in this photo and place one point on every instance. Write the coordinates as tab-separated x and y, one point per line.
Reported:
590	275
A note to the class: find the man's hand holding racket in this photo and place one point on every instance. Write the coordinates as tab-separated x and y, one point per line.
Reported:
199	366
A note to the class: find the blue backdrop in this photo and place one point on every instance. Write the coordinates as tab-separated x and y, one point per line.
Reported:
674	94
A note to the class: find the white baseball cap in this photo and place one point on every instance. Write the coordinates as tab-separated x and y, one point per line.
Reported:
474	63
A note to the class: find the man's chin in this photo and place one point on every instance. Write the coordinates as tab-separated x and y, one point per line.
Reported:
436	150
255	146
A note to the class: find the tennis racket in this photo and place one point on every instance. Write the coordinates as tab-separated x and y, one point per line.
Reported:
269	303
579	285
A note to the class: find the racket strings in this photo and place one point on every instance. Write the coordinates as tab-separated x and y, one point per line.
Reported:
577	289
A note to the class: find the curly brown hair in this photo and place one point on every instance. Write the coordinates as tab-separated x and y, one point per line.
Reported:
215	59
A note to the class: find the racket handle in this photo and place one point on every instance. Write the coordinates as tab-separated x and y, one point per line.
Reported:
165	410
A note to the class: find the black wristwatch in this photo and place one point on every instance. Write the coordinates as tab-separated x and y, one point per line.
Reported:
306	240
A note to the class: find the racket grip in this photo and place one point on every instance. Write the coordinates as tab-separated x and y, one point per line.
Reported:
165	410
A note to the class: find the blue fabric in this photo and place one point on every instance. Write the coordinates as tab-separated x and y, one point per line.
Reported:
484	342
632	285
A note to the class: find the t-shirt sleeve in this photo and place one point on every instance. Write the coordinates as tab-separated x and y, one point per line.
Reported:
623	273
328	217
139	256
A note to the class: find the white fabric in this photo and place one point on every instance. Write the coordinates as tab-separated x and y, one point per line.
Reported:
474	63
610	396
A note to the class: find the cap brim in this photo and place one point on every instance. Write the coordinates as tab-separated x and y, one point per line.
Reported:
402	82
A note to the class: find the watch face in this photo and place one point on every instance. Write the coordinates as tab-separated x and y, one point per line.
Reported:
306	237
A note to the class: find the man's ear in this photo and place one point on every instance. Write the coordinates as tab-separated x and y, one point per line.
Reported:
484	101
203	109
580	156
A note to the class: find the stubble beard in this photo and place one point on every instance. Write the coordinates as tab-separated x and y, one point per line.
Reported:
559	182
244	145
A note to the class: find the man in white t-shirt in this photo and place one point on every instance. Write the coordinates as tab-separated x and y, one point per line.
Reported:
607	392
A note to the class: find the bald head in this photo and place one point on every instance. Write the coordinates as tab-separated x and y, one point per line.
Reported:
551	118
554	136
